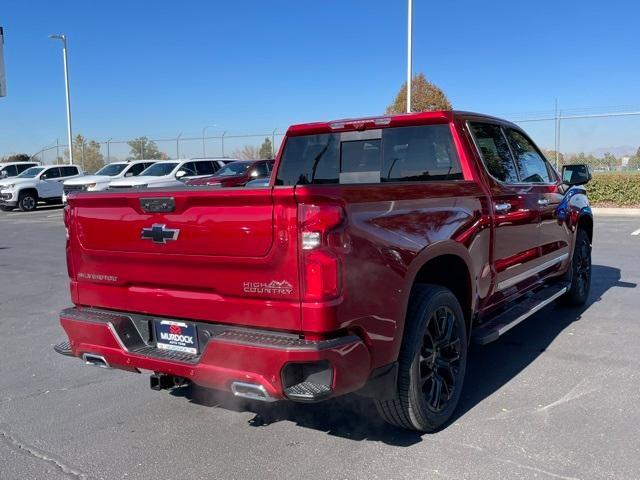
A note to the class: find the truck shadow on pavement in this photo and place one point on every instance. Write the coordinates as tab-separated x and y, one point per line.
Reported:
489	368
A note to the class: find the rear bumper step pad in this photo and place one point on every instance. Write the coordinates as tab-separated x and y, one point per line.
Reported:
64	348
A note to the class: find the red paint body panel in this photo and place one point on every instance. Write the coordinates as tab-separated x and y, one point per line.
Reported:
239	260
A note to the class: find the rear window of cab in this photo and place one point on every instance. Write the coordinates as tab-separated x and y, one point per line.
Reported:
402	154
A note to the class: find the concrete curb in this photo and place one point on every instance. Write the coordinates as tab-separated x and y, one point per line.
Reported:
621	212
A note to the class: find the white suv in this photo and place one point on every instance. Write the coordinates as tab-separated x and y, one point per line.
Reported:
104	176
12	169
172	173
37	184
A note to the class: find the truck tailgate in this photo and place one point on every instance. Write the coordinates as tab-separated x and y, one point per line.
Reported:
223	255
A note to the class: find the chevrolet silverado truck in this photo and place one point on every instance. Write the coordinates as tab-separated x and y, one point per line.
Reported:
381	250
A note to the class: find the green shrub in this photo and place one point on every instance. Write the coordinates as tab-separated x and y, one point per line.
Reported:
614	190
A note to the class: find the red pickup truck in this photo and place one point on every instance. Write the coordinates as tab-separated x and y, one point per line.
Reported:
382	249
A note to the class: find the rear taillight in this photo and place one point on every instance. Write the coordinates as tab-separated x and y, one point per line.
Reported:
67	226
321	267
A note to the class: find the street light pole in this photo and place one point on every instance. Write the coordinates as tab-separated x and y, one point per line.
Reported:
409	52
66	84
204	152
178	146
108	151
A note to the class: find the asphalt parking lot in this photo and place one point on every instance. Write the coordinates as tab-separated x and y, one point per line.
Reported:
557	397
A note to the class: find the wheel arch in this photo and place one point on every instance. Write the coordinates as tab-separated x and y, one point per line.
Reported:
447	264
33	190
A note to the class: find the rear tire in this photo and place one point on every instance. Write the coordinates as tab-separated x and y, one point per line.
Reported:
578	292
432	362
27	202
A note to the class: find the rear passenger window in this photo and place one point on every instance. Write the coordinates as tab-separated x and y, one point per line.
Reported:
69	171
22	168
531	165
10	171
419	154
205	168
495	152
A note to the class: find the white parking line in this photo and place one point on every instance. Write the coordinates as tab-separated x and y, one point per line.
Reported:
637	232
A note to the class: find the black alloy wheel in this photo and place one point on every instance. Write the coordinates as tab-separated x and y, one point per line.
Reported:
440	359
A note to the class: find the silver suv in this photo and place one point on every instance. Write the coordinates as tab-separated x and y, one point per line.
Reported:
36	184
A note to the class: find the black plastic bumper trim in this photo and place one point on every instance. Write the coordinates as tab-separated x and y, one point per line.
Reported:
135	332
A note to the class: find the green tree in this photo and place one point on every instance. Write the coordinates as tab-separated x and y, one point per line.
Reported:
550	155
266	149
425	97
609	161
86	154
634	161
142	149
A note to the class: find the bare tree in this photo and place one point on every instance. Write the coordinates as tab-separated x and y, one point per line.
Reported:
247	152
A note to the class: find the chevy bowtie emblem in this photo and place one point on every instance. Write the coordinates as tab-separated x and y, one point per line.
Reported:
159	233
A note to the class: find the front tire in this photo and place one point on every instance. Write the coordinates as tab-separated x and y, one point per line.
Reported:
6	208
578	292
432	362
27	202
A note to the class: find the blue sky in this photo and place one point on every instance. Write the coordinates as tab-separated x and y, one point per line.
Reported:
160	68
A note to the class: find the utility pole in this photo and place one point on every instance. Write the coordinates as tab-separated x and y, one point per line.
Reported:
66	84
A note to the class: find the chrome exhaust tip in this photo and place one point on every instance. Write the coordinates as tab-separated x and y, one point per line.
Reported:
251	391
95	360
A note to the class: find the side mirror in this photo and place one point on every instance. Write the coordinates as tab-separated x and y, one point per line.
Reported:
43	176
3	174
254	174
128	174
576	174
180	174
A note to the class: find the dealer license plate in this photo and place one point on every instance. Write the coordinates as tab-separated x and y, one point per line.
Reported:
178	336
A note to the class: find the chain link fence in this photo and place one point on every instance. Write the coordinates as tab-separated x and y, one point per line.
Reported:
223	144
606	138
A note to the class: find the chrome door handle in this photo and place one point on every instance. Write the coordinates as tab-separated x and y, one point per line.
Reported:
502	207
543	202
